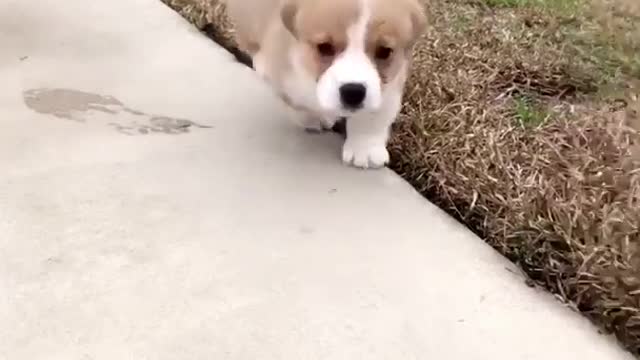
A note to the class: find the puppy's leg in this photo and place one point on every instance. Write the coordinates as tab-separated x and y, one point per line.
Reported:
367	136
309	121
328	122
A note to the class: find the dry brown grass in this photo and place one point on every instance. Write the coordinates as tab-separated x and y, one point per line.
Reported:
206	14
524	124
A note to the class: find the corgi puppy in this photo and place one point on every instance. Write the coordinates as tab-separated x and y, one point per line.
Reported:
333	59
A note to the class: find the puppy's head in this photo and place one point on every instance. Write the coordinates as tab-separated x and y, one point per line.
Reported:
353	48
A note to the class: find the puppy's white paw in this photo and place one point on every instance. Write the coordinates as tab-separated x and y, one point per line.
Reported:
318	123
309	122
328	122
365	154
313	126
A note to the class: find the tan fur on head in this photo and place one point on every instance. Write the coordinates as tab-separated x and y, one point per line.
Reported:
251	18
390	29
315	24
418	18
394	27
288	13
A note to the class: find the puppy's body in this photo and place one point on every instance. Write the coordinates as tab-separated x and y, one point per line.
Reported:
334	58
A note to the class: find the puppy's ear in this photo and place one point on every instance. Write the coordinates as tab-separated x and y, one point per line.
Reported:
418	18
288	13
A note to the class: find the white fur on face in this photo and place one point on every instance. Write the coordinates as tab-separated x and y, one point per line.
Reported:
352	66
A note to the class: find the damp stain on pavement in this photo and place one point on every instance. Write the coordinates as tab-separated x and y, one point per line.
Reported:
80	106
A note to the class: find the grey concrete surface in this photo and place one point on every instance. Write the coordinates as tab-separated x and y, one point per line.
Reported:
155	205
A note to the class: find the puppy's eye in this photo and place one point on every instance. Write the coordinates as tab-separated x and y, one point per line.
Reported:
383	52
326	49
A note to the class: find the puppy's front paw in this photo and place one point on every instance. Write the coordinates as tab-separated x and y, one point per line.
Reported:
318	123
309	121
314	127
365	154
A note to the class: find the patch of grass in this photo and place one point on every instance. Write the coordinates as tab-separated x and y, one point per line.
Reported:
507	3
603	32
567	7
528	114
461	23
615	30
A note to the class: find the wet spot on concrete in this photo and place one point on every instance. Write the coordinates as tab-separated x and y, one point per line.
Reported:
69	104
80	106
157	124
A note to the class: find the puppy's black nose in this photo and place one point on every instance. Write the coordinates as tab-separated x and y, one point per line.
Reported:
352	95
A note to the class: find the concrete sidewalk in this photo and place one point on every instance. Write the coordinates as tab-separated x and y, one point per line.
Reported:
154	205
